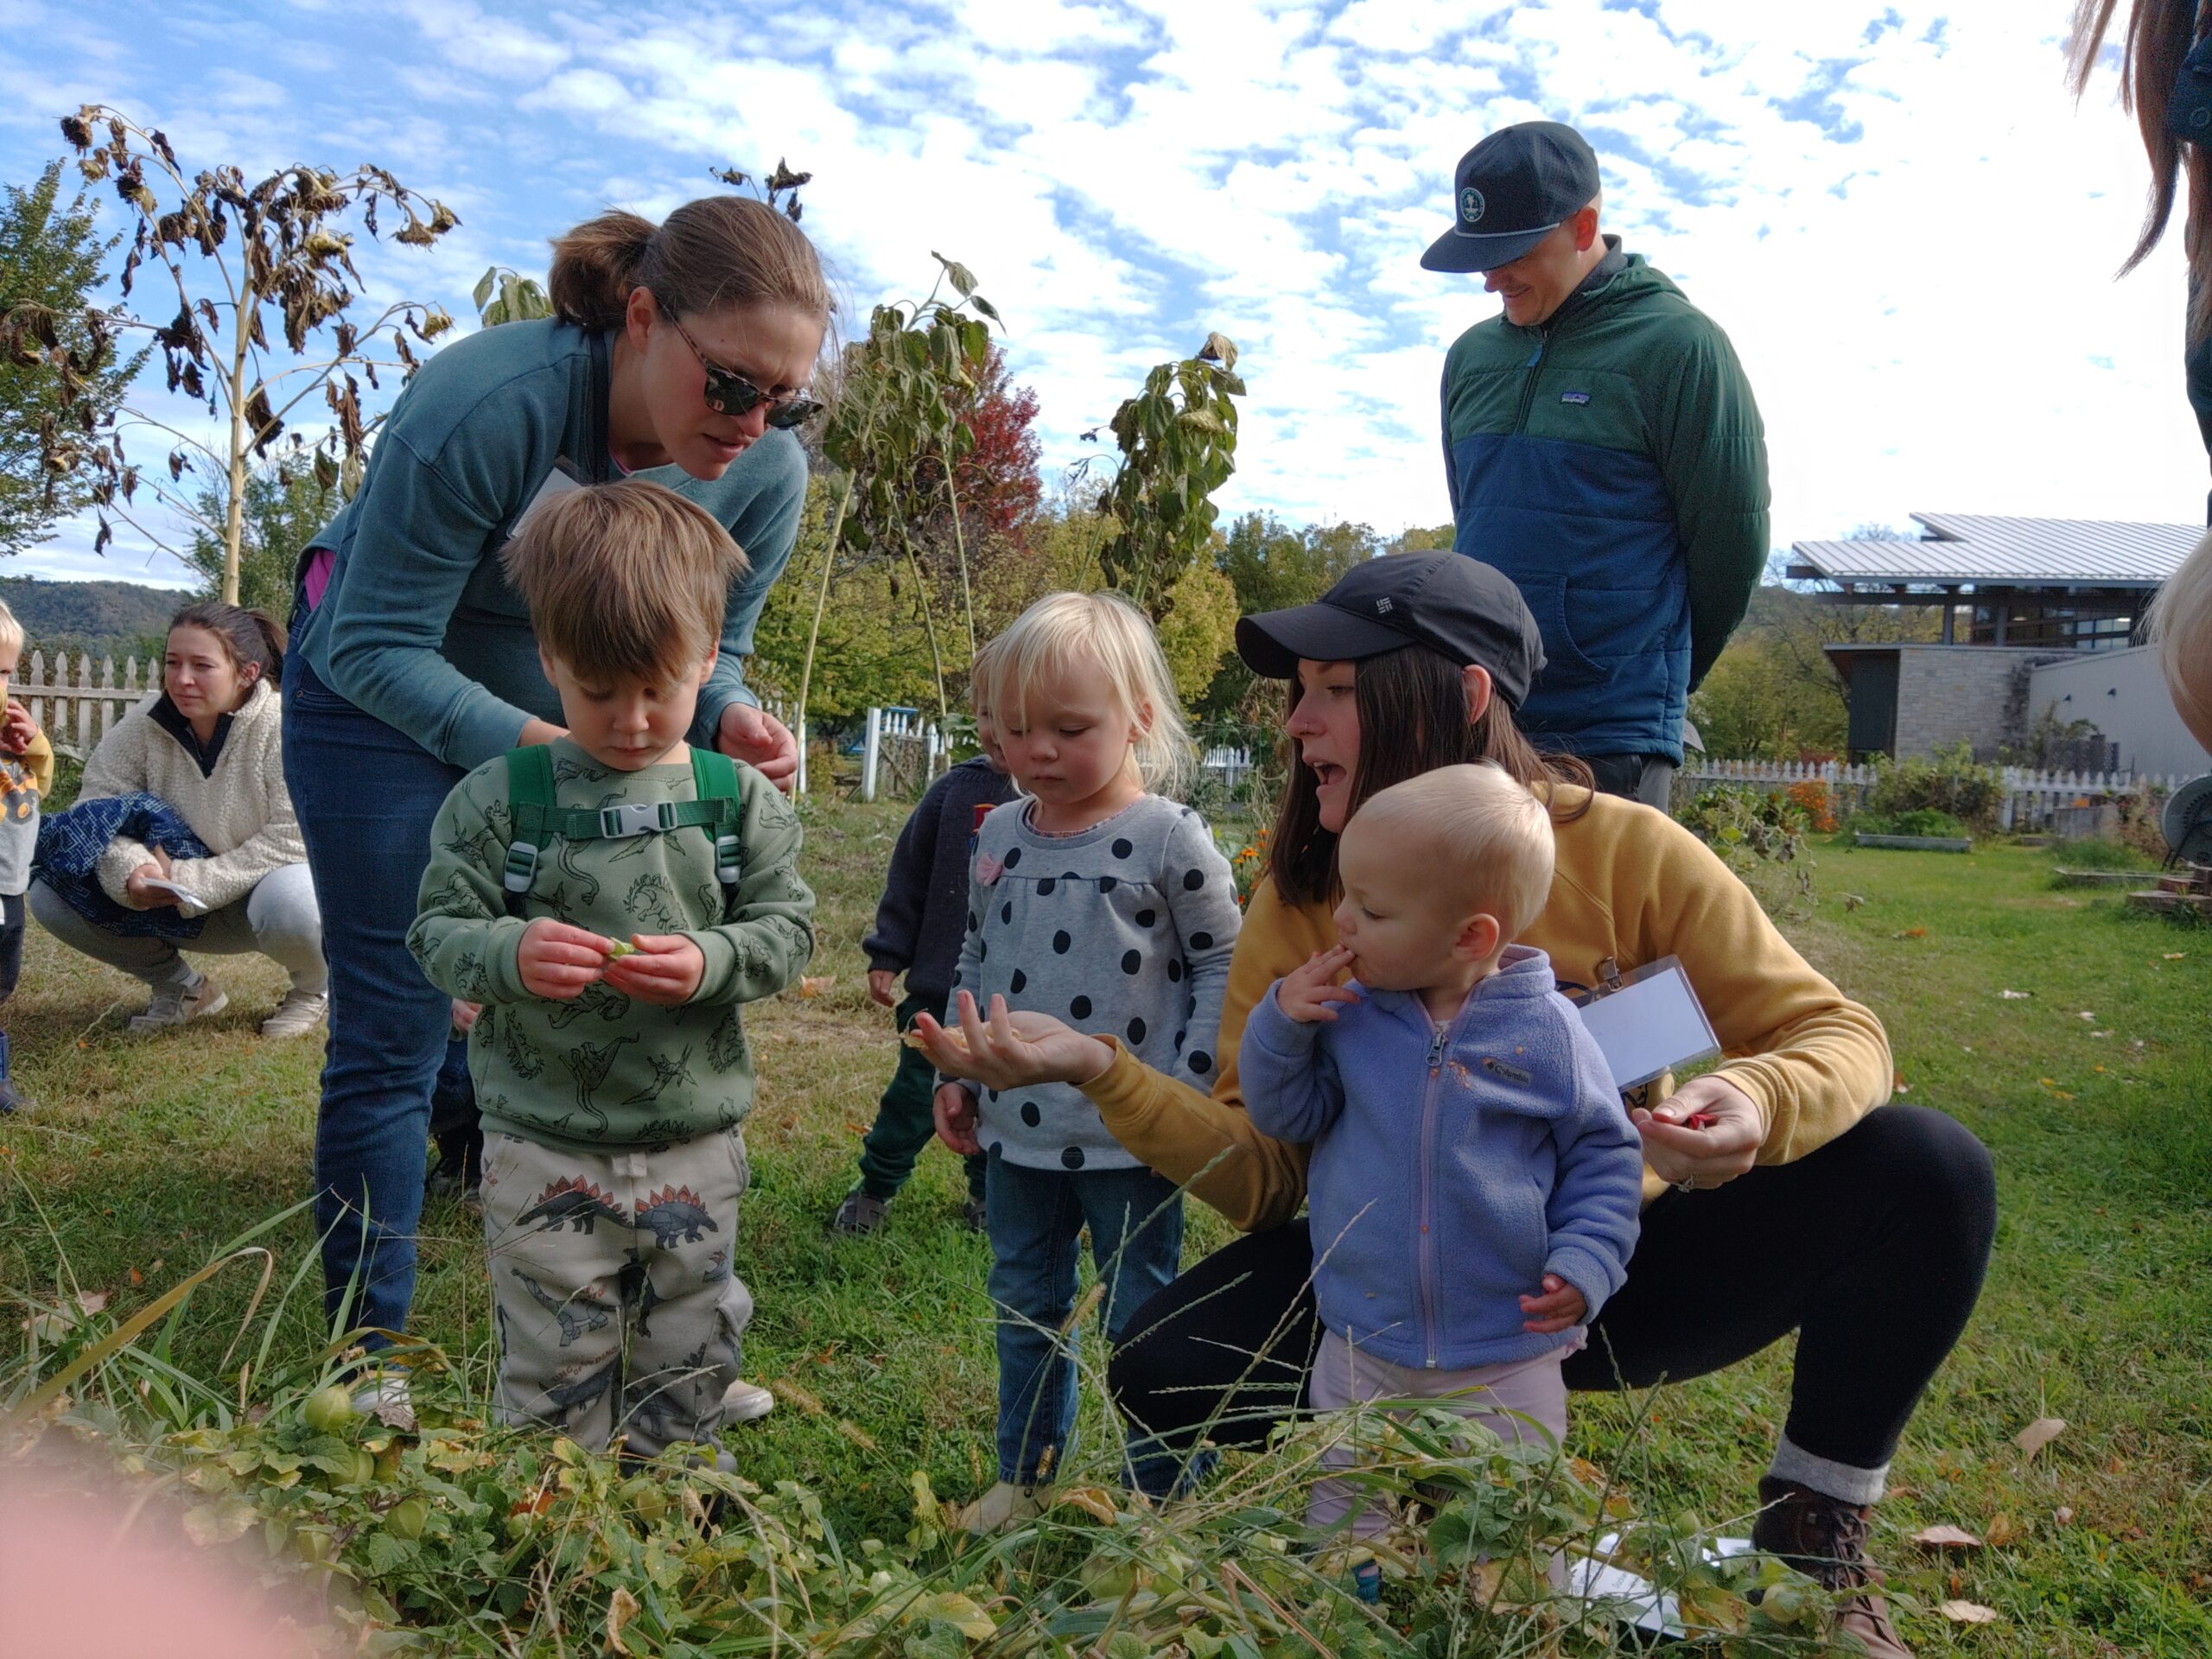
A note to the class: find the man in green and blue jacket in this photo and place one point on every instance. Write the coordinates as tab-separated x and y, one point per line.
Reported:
1602	450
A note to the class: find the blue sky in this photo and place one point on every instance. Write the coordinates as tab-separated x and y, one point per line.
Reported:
1899	213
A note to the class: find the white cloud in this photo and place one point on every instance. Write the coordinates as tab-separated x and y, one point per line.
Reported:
1910	237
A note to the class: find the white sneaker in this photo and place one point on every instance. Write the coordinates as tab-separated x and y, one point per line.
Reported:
1005	1505
389	1400
300	1013
745	1402
173	1007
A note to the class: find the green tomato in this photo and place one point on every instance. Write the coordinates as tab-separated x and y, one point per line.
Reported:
618	949
328	1409
364	1472
404	1519
312	1545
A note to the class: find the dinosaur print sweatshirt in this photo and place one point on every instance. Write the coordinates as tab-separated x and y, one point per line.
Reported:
605	1070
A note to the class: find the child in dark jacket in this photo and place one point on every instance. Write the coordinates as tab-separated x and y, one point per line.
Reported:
1475	1181
920	924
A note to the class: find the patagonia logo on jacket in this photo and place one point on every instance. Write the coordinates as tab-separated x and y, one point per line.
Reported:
1574	396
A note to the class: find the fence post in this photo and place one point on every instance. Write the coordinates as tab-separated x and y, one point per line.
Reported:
872	746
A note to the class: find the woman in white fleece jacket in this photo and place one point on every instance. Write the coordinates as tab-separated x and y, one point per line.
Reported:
208	745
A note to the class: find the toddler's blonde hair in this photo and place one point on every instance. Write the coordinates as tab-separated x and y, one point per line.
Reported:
11	632
1486	838
2181	621
1108	631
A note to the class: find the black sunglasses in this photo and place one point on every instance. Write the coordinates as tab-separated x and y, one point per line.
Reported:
730	393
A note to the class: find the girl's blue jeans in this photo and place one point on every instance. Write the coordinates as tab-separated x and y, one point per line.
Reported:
366	795
1035	1219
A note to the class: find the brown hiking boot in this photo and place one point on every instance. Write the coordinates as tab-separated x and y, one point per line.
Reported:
1825	1538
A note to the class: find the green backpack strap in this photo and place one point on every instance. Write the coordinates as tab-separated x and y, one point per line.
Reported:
530	803
714	779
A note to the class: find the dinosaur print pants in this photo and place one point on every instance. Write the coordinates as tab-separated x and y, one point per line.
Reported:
619	1313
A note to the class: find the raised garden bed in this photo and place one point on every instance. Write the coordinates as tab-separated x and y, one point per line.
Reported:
1918	843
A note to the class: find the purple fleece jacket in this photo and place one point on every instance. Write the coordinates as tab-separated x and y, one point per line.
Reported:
1452	1169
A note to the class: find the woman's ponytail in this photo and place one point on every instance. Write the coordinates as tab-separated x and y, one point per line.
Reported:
717	251
595	266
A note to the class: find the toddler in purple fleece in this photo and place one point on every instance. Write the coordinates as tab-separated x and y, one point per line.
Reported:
1475	1180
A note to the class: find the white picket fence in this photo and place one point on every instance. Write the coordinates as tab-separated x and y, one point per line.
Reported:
2033	799
76	700
904	743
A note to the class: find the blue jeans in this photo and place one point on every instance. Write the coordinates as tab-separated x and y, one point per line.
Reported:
1035	1218
366	796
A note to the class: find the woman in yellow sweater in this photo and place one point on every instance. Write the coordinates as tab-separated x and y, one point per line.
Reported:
1795	1206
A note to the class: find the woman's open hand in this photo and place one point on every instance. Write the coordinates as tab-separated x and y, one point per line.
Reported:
1011	1050
1711	1156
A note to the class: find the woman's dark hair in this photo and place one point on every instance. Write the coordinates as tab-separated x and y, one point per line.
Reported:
2157	36
1412	719
250	638
717	251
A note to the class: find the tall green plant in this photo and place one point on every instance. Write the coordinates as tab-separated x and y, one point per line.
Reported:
238	256
1178	441
896	433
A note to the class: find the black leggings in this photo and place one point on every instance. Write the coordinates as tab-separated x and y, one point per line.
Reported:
1872	1248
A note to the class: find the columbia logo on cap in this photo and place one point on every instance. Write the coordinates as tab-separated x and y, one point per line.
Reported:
1382	605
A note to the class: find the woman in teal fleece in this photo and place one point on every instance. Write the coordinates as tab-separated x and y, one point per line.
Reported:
680	352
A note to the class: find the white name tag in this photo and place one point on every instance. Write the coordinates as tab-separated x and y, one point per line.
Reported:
1649	1022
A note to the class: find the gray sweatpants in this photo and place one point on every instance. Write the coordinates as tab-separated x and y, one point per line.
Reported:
610	1279
277	920
1502	1397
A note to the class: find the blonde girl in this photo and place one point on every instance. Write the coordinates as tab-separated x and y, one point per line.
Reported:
1100	899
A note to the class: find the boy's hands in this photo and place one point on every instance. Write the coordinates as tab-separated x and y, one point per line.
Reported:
954	1108
882	986
1306	994
1560	1307
662	969
557	961
17	729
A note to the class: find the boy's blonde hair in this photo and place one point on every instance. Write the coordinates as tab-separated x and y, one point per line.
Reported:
626	578
11	632
1105	629
2180	619
1486	838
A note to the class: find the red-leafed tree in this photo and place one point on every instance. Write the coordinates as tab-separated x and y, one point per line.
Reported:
998	482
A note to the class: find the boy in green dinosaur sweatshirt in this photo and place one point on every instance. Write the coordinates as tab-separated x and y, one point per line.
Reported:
610	898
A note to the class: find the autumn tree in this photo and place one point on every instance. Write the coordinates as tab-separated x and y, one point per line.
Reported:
246	262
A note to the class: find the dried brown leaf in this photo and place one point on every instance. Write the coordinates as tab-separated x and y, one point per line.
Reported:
2039	1434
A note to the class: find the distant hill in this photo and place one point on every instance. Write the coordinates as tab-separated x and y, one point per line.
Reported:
106	617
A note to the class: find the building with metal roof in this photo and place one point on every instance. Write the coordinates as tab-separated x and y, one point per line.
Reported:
2015	596
2070	583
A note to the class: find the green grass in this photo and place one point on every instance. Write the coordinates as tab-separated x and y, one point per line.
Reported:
142	1157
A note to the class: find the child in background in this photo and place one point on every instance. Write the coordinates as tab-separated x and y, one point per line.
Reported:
1103	902
920	924
26	774
610	898
1475	1183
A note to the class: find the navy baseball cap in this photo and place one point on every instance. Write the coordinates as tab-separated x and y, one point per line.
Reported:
1511	192
1458	607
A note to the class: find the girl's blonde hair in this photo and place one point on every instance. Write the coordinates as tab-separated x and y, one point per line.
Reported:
2180	621
1105	629
11	632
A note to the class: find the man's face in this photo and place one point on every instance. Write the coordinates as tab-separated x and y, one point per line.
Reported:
1537	283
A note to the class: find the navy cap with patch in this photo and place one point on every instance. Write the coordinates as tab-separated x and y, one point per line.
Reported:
1511	192
1466	611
